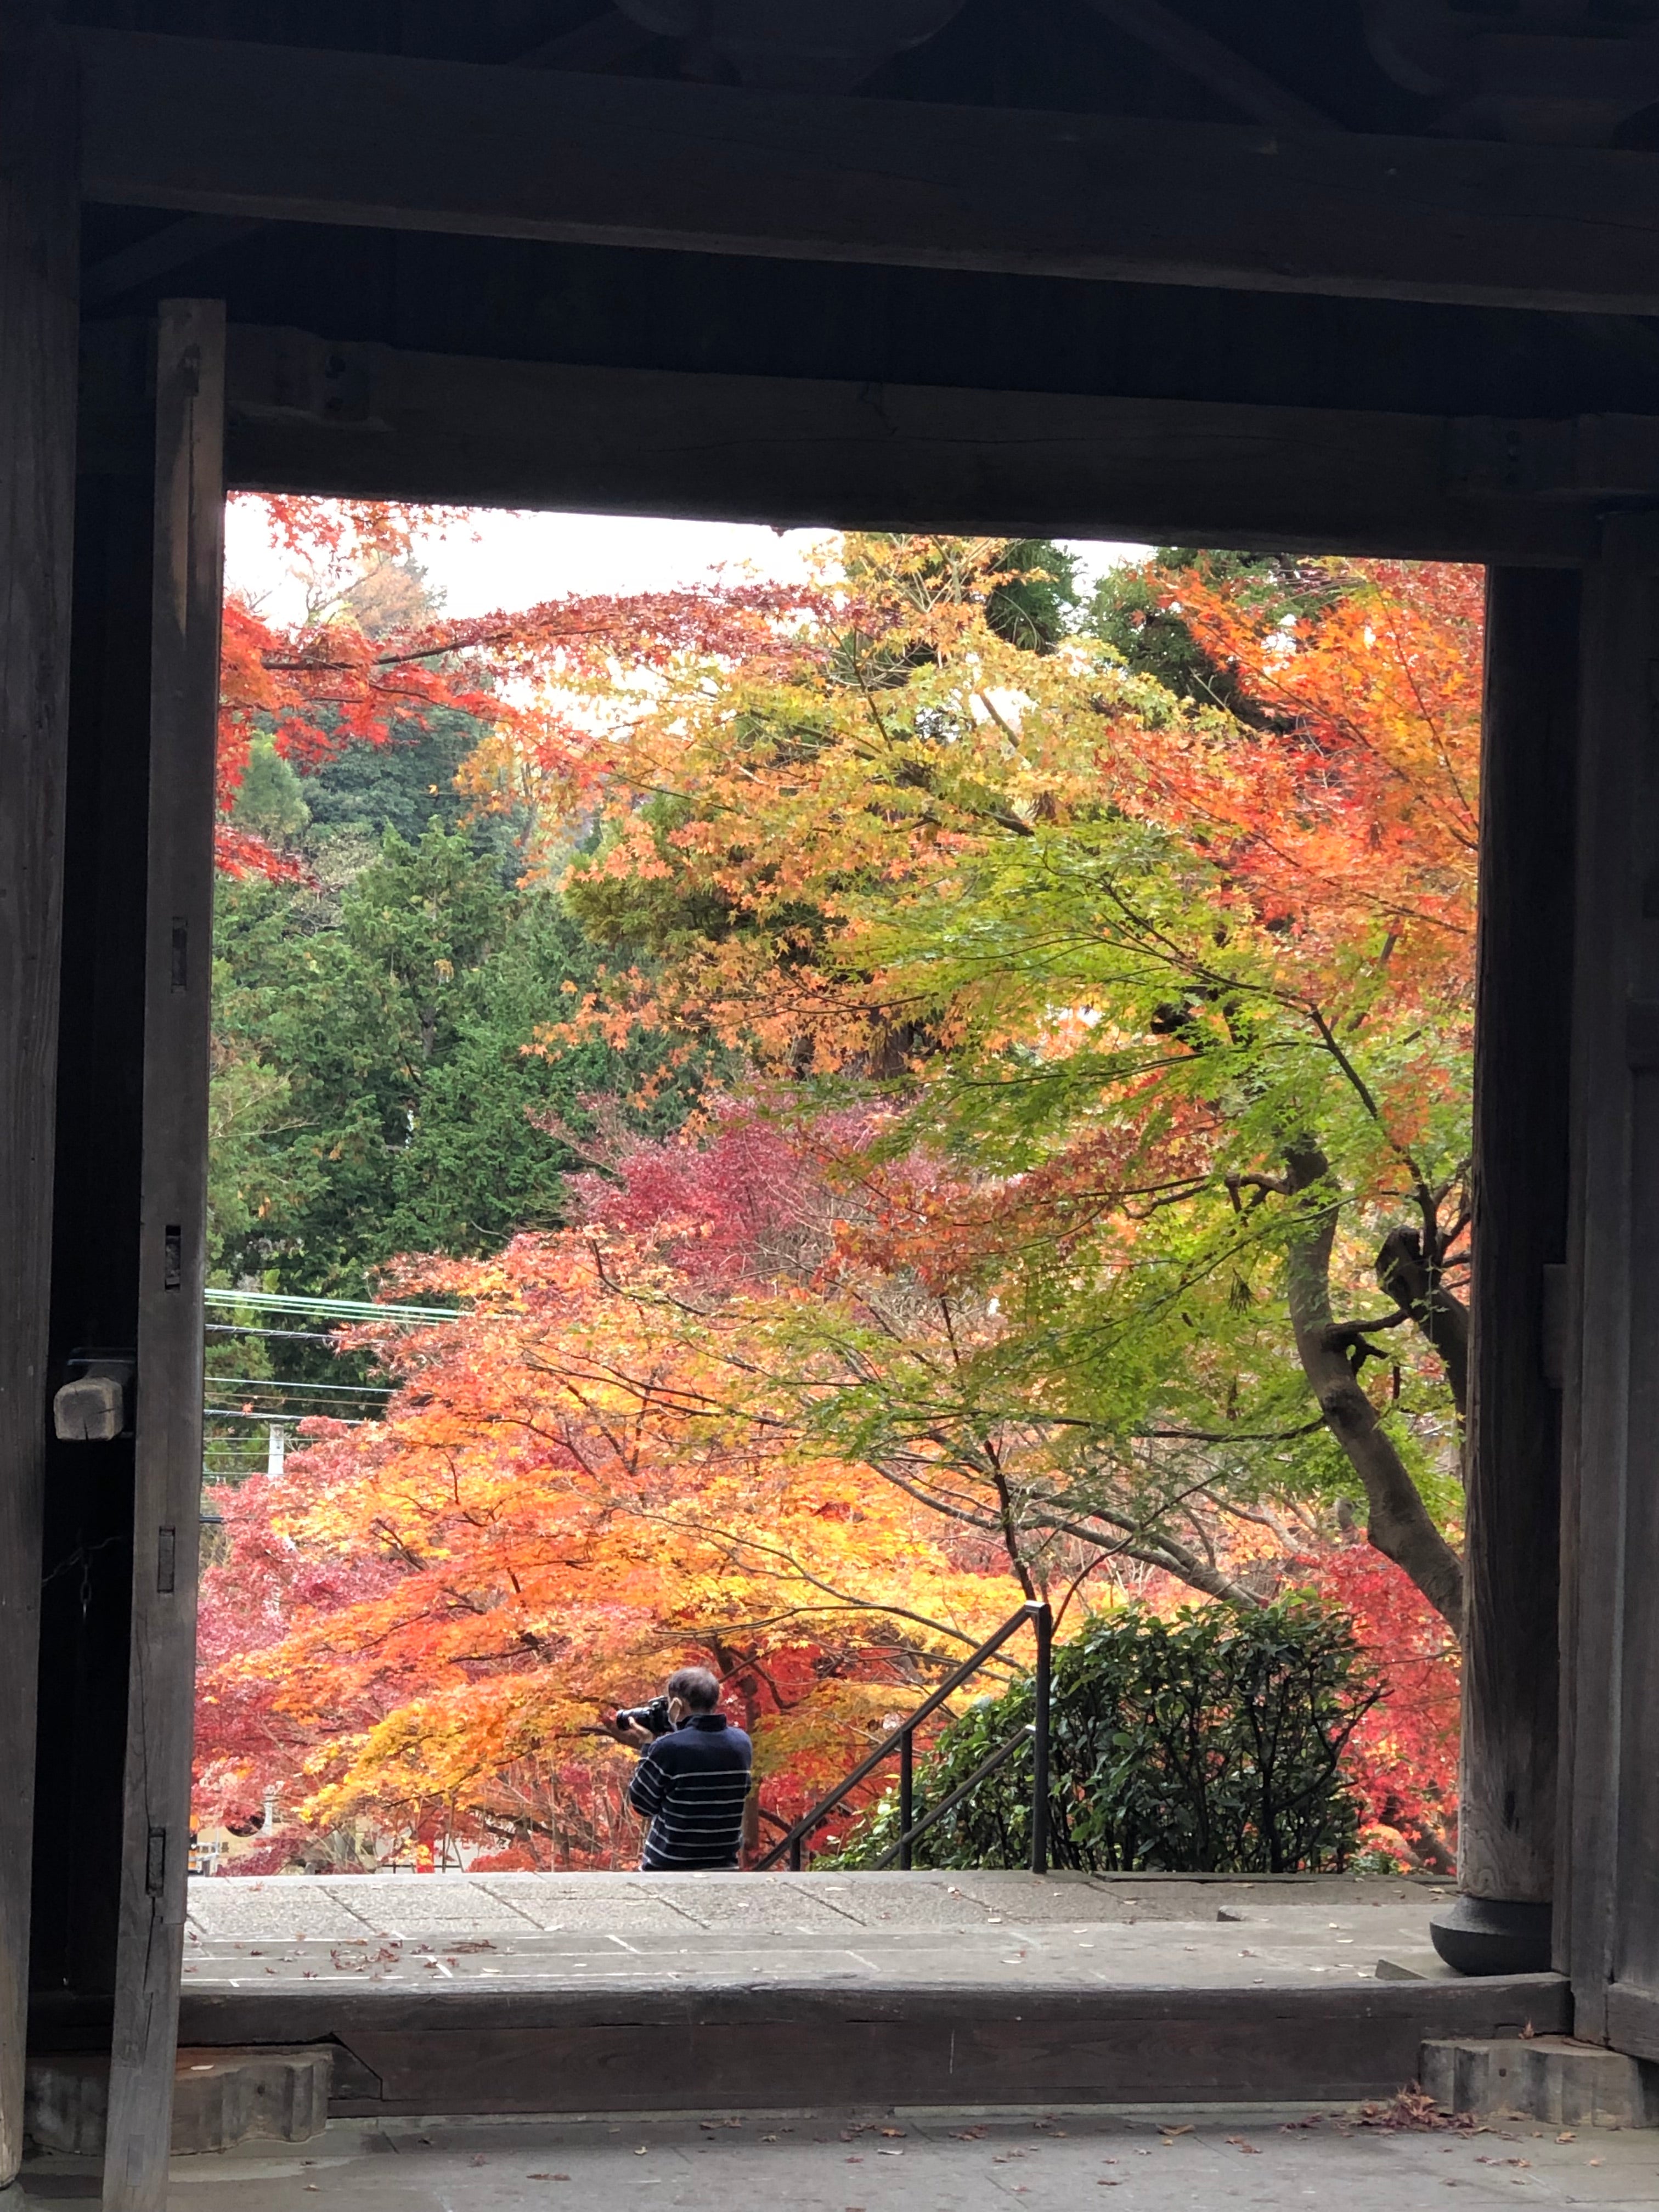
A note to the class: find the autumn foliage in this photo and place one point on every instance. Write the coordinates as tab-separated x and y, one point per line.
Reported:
362	659
567	1500
1082	1209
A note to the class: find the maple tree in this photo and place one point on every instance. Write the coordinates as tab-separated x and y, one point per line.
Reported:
1165	1015
419	1626
1402	1761
380	962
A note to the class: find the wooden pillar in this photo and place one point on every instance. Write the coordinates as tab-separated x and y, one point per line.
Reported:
38	332
1506	1860
1608	1904
188	586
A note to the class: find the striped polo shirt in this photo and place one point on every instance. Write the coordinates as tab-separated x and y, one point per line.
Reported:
691	1785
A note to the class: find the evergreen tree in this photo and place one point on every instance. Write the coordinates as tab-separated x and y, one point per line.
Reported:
1035	605
271	800
377	1089
1127	611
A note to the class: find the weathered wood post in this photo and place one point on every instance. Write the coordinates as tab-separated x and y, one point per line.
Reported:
183	692
1500	1922
38	229
1607	1907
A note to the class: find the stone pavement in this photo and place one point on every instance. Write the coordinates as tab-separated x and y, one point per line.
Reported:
899	2162
614	1929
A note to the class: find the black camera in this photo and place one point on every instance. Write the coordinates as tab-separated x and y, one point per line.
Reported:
652	1718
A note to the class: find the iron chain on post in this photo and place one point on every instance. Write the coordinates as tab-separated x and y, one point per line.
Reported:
1043	1621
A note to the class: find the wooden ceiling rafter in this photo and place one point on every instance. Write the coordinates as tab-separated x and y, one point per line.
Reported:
1214	65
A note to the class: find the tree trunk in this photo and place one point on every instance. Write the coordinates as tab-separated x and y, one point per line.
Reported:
1399	1524
1403	1274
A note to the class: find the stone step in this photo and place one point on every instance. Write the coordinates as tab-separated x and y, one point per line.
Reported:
1550	2078
239	2094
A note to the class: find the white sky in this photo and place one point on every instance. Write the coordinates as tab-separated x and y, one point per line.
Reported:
496	558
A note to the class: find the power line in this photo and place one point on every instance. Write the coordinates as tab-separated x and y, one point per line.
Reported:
271	1420
275	1383
289	1302
247	1328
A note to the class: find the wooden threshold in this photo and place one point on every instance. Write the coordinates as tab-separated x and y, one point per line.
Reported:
461	2049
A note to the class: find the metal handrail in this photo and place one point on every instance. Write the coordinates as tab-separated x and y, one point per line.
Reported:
791	1842
900	1848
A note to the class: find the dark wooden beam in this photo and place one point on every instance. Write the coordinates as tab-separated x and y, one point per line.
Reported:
240	130
373	422
158	255
608	40
1216	66
188	582
38	341
1524	1005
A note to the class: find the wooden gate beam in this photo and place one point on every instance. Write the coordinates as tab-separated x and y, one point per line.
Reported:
232	128
38	344
306	414
187	589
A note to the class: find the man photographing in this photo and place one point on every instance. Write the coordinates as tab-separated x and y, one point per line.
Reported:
693	1783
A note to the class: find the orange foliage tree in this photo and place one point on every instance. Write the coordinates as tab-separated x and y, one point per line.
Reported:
413	1630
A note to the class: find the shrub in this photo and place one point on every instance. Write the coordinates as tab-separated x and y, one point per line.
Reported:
1210	1743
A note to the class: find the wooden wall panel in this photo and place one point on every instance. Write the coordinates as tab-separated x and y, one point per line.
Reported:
38	343
86	1584
1607	1929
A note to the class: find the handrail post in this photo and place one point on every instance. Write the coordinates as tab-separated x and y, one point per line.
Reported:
1042	1620
907	1793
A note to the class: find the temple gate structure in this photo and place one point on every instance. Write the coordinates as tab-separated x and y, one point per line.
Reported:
1367	276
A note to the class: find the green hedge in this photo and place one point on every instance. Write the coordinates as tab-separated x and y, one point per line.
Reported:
1210	1743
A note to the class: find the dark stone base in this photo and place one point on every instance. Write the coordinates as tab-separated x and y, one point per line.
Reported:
221	2097
1484	1935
